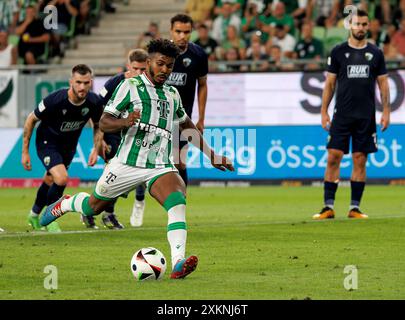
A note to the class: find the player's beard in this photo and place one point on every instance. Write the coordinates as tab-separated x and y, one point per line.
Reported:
359	37
77	97
152	76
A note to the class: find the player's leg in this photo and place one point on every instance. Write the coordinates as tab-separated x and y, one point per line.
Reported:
109	218
364	142
40	202
169	190
181	165
338	146
116	179
138	209
357	183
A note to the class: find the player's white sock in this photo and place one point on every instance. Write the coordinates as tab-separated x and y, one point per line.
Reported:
34	214
177	232
77	203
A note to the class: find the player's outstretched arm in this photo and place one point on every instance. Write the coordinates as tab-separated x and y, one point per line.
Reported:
28	128
110	124
194	136
327	96
100	146
385	100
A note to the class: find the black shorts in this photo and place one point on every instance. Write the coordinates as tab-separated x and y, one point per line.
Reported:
113	141
363	133
52	155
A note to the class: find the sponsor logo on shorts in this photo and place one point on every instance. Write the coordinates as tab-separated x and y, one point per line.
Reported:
177	79
358	71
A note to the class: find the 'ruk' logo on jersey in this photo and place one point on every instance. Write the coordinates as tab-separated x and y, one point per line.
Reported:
177	79
358	71
71	126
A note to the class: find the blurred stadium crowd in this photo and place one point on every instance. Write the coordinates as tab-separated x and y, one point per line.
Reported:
249	35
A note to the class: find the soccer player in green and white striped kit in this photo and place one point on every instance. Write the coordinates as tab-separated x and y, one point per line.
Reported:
146	109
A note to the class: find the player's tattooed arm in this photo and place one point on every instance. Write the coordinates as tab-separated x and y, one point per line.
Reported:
110	124
193	135
29	126
100	147
327	96
385	101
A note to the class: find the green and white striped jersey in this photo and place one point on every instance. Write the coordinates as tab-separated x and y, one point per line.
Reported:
147	144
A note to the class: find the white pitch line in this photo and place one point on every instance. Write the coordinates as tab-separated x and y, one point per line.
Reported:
196	226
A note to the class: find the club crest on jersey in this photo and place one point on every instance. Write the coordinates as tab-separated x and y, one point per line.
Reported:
347	55
186	62
64	111
47	160
85	111
369	56
358	71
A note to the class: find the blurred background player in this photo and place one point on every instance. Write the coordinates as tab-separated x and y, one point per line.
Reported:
355	66
149	161
190	68
62	116
136	65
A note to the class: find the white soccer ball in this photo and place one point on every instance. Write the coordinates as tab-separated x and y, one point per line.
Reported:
148	264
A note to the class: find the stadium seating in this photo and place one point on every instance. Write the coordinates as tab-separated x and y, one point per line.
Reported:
116	33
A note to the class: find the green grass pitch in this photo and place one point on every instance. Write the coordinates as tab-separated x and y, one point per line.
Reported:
252	243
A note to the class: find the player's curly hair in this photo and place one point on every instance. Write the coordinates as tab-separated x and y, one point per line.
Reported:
163	46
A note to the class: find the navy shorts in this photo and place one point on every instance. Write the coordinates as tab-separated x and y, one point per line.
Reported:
52	155
363	134
113	141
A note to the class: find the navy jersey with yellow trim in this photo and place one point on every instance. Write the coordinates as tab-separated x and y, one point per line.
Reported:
357	71
61	121
188	67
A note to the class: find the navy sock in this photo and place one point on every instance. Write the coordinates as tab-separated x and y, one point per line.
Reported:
140	193
183	175
357	192
110	206
329	193
41	199
54	193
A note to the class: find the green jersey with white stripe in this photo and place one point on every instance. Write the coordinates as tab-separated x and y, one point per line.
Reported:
147	144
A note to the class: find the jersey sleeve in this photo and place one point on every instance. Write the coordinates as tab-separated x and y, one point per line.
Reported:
333	63
107	91
44	108
179	112
381	67
120	100
98	110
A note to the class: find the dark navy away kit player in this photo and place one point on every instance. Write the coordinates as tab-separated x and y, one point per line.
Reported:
62	116
136	65
355	66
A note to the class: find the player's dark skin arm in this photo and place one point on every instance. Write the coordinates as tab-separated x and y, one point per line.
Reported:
194	136
111	124
202	92
385	100
29	126
328	92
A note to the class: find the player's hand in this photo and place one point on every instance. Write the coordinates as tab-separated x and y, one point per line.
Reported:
26	161
132	118
200	126
102	149
92	158
385	120
221	163
130	74
326	121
